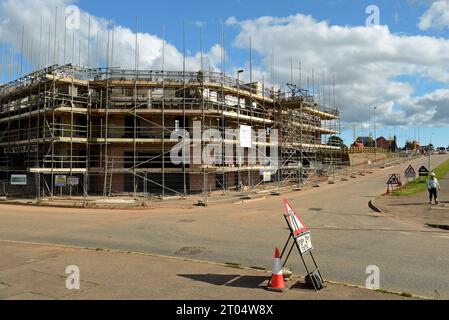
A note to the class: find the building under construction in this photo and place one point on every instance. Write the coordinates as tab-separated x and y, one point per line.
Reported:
82	131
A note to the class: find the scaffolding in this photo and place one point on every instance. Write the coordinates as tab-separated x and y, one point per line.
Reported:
112	129
305	125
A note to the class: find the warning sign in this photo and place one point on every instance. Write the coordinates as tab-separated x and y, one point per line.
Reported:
301	238
410	172
305	243
423	172
294	220
394	180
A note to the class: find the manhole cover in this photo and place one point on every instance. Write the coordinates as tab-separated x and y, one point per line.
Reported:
316	209
189	251
186	221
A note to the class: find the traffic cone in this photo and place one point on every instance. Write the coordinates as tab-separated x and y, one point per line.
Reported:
277	283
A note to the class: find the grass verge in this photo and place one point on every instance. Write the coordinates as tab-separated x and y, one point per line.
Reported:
420	185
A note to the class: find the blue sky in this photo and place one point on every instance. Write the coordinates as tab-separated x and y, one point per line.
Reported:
398	15
411	92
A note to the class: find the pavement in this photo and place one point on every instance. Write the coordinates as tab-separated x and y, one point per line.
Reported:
347	235
261	192
416	208
37	272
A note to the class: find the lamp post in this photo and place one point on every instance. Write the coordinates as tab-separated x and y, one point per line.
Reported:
238	128
430	151
375	135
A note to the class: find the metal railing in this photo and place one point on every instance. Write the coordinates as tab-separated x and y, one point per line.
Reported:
57	130
366	150
180	77
63	162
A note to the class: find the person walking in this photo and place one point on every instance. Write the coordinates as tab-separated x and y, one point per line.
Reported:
433	186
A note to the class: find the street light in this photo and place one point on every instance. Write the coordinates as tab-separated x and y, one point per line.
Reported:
238	127
375	134
430	151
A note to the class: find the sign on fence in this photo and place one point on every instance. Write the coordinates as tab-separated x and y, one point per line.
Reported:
18	179
245	136
60	181
73	181
266	176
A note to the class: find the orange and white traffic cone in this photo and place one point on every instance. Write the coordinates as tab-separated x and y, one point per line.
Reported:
277	283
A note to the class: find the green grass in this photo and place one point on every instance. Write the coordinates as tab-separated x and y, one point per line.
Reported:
420	185
407	295
233	265
403	294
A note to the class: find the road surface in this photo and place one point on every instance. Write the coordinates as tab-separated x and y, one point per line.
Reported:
347	236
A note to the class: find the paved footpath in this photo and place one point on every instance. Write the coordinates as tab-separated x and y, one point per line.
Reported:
416	208
37	272
347	236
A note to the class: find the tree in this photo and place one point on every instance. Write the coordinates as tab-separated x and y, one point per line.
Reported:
393	145
412	145
409	145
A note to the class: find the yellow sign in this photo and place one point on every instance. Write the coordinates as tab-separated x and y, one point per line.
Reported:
60	181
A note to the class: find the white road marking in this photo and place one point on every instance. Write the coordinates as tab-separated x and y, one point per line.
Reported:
442	237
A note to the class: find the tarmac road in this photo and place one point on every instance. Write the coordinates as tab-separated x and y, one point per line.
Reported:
347	236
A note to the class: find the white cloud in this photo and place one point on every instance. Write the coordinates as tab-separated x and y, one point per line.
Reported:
368	63
436	17
17	13
231	21
434	107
